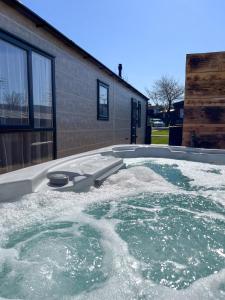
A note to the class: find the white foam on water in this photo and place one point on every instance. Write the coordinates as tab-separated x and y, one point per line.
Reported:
37	207
204	215
210	215
41	208
153	209
209	288
217	196
201	174
124	280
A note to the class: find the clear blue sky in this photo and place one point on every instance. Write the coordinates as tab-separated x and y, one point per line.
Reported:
149	37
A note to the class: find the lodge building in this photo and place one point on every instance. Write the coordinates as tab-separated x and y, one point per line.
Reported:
56	99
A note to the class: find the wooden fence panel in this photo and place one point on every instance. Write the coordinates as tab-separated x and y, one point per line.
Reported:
204	106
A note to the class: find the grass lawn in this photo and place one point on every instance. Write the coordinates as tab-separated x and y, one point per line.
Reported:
160	136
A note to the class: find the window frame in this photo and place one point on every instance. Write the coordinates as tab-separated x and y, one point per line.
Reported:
139	114
15	41
105	85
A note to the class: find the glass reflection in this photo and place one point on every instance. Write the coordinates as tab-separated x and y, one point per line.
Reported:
42	90
23	149
103	101
13	85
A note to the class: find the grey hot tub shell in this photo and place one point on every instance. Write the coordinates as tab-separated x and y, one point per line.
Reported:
93	167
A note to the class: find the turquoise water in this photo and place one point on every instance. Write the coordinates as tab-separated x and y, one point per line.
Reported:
169	236
153	231
60	261
173	174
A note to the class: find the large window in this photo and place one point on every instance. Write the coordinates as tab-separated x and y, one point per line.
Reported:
42	90
103	101
14	109
27	127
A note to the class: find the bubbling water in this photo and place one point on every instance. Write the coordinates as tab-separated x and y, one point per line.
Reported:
152	231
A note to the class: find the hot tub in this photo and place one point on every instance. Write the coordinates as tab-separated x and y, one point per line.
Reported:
152	229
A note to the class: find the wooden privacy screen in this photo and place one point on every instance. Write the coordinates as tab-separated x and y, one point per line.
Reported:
204	106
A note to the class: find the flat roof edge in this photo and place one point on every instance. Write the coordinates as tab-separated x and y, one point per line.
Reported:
202	53
24	10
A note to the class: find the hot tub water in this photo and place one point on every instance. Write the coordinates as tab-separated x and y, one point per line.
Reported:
152	231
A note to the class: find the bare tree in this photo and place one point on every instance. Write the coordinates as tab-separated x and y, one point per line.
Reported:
13	100
164	92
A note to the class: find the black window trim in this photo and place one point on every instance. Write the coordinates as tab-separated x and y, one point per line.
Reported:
101	83
12	39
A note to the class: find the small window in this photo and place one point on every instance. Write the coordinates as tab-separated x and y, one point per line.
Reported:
139	114
103	101
14	110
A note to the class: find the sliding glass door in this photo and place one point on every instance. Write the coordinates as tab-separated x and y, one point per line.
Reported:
27	119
